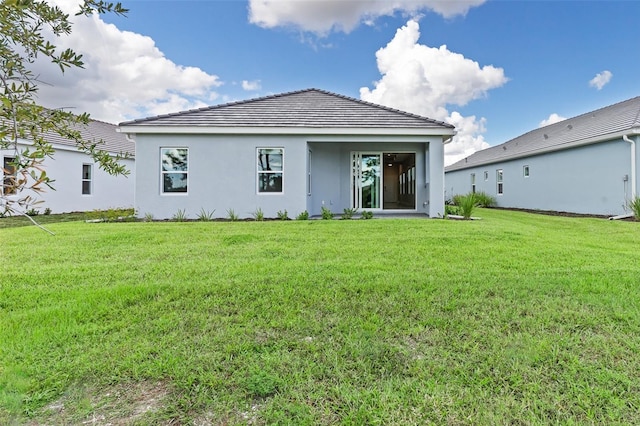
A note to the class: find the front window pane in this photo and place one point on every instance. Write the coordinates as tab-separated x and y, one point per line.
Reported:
270	182
270	160
174	159
270	169
175	170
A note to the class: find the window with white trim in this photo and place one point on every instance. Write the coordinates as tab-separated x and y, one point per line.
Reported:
473	183
525	171
270	170
486	175
87	174
174	170
9	176
499	183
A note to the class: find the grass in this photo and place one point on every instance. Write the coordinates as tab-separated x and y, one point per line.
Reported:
514	319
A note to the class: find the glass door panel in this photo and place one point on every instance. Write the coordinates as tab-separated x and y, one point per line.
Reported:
366	175
370	181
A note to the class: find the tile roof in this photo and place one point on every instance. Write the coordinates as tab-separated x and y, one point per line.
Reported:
95	131
595	126
310	108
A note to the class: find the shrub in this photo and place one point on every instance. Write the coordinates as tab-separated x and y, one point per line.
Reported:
634	205
451	210
258	214
326	214
32	212
456	200
348	213
148	217
366	214
205	215
47	211
232	215
485	200
180	215
303	216
283	215
467	204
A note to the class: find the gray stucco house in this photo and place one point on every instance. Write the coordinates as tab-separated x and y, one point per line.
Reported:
586	164
294	151
80	184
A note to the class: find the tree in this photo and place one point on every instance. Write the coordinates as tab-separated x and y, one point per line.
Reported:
23	28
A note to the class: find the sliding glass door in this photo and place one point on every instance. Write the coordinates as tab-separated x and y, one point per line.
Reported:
383	180
366	176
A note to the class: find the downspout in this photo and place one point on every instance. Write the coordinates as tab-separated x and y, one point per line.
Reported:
633	177
634	193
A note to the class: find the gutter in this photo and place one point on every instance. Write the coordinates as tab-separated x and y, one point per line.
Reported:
634	193
633	177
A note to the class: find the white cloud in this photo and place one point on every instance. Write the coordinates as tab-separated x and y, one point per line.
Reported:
322	16
601	79
425	80
251	85
125	75
553	118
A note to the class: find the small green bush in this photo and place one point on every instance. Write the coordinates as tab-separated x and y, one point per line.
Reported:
484	200
326	213
33	212
47	211
303	216
634	205
450	209
366	214
148	217
205	215
180	215
467	204
348	213
232	215
258	215
283	215
456	200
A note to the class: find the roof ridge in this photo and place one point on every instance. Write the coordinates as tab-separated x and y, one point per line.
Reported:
285	94
360	101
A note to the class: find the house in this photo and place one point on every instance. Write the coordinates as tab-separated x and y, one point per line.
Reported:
296	151
79	183
586	165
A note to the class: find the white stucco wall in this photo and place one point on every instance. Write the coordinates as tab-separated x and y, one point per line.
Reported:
65	168
586	180
223	174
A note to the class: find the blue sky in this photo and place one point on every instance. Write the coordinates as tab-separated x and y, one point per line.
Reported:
507	65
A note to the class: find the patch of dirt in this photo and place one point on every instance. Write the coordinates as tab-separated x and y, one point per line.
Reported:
119	405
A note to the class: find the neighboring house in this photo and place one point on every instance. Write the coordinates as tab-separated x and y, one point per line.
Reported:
586	164
79	183
295	151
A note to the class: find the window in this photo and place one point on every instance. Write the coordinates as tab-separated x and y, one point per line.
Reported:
174	170
86	179
9	176
486	175
473	183
270	169
499	181
525	171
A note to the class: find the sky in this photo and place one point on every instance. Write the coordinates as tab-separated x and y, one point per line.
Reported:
495	69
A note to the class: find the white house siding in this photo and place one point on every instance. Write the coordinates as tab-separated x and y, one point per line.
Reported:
588	180
65	168
223	173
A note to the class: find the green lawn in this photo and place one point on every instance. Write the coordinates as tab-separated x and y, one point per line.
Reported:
513	319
